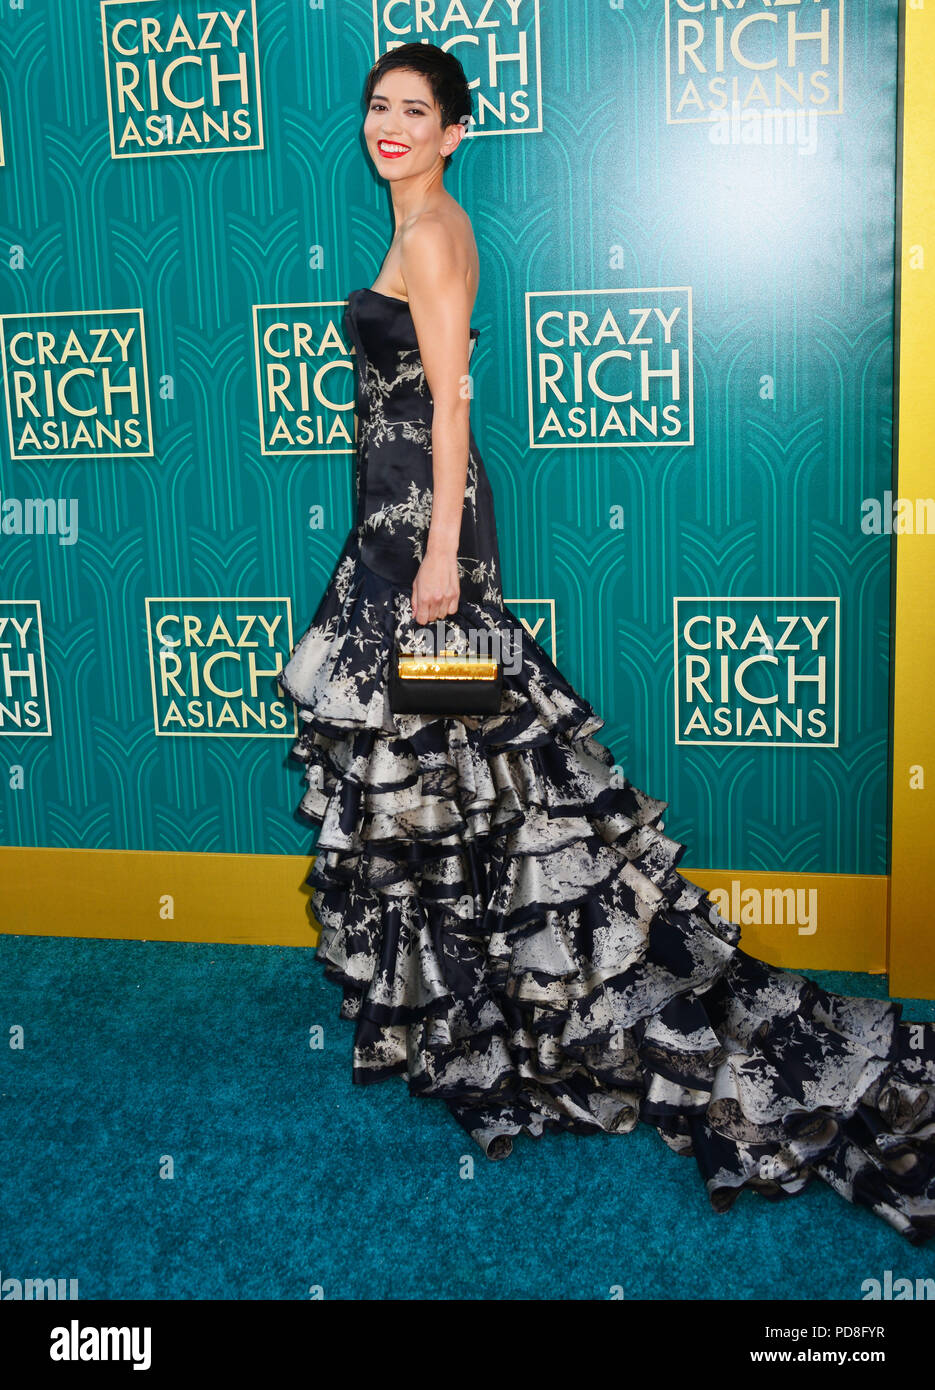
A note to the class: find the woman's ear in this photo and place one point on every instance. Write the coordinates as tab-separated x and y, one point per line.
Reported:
454	135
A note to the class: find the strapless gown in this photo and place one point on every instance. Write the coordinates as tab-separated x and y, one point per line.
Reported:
502	910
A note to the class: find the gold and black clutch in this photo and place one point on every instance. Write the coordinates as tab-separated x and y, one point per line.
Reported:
448	683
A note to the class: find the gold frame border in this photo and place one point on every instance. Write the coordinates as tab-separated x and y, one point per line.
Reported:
910	953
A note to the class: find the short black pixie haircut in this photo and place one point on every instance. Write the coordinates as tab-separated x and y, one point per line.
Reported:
441	70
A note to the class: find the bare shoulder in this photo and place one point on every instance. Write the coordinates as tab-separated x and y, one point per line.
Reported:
438	246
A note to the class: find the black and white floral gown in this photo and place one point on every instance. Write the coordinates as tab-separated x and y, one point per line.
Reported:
501	907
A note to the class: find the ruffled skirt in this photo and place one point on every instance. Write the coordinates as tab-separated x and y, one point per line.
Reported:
503	914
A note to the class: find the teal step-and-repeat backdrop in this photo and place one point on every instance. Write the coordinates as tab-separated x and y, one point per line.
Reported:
685	211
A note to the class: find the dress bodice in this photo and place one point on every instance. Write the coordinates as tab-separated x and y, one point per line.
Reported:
391	384
394	411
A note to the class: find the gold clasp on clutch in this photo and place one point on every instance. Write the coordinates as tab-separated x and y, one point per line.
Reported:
448	665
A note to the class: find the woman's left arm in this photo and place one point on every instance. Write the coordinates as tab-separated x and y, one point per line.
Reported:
441	313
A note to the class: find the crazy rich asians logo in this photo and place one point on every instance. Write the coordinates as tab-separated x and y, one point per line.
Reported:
609	368
304	379
787	55
24	689
76	384
757	671
214	663
182	77
497	43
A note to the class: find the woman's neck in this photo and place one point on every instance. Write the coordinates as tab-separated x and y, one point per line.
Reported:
416	196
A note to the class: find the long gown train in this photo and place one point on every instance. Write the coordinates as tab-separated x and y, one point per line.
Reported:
501	907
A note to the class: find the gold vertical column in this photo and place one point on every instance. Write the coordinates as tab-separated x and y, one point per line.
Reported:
911	945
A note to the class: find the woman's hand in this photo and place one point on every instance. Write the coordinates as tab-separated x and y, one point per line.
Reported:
436	588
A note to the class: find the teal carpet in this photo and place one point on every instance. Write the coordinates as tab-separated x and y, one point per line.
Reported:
286	1178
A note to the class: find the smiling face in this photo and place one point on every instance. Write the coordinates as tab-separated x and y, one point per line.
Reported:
403	128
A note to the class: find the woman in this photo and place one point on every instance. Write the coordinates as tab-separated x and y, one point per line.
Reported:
504	918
